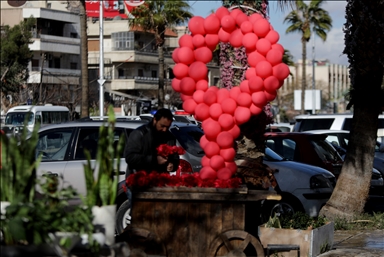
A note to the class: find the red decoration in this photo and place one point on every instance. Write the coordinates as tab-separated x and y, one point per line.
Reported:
186	41
212	24
217	162
225	139
166	150
198	41
196	25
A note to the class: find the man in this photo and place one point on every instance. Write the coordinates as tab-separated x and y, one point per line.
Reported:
140	150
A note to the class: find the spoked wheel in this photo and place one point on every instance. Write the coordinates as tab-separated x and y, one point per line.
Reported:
123	216
236	243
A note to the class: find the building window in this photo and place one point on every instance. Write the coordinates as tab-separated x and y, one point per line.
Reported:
73	35
121	73
123	40
73	65
35	63
154	74
140	73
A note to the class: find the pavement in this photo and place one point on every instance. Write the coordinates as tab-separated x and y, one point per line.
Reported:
357	243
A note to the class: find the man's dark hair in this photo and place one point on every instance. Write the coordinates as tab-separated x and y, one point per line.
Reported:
163	113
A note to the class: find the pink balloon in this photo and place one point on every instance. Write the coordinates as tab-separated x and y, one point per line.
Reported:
205	161
264	69
272	36
212	24
254	58
196	25
255	110
235	12
198	96
270	96
213	88
211	149
234	93
228	23
222	94
226	121
217	162
278	47
201	112
281	71
244	87
241	18
229	105
254	17
202	85
224	36
198	40
187	86
242	115
210	97
256	84
185	55
261	27
225	139
247	27
224	174
231	166
250	72
203	54
186	41
176	84
215	111
175	58
211	129
263	46
236	38
180	70
274	57
228	154
244	99
203	142
189	106
221	12
207	173
198	71
235	131
271	84
259	99
211	40
249	41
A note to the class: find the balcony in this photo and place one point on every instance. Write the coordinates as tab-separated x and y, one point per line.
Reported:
55	44
136	83
54	76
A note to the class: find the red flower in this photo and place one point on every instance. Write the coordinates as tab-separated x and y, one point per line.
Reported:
166	150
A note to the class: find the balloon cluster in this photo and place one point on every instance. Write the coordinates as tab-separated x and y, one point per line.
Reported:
221	111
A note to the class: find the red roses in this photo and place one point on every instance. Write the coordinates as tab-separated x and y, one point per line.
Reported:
165	150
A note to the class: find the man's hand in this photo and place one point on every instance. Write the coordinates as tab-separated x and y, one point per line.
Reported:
161	159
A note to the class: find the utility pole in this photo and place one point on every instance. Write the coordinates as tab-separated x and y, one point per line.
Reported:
313	75
101	79
43	56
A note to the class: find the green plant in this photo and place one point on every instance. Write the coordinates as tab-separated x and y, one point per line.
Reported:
102	188
298	220
361	222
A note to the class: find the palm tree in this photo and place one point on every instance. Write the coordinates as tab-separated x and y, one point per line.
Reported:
157	16
305	20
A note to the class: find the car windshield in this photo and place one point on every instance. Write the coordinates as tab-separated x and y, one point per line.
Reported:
325	151
17	118
189	139
270	155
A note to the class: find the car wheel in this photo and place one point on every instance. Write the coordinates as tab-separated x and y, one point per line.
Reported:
281	208
123	216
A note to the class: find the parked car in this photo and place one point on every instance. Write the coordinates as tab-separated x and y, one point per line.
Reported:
279	127
303	187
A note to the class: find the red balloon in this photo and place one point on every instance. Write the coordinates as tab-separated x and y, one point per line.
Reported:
176	84
211	149
244	87
228	154
222	94
247	27
231	166
213	88
264	69
185	97
196	25
203	54
256	84
226	121
270	95
224	139
212	24
211	40
250	72
254	58
235	131
255	110
198	71
235	12
229	105
271	84
198	96
187	86
272	36
274	57
201	112
236	38
244	99
186	41
234	93
217	162
224	174
210	97
189	106
263	46
180	70
224	36
241	18
202	85
221	12
254	17
261	27
215	111
211	129
242	115
278	47
175	58
185	55
259	99
198	40
228	23
281	71
249	41
205	161
208	173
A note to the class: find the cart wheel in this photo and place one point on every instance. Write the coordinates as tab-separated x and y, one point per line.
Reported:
236	243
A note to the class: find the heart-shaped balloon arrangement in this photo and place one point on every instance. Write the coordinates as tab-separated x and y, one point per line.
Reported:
221	111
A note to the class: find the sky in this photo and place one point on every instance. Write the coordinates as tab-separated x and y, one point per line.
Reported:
331	49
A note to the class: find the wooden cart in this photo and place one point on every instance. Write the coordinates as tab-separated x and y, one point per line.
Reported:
195	222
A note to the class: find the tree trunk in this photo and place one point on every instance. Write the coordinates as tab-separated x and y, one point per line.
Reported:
160	38
84	61
303	75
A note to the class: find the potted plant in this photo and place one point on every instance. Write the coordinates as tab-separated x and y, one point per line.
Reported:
102	178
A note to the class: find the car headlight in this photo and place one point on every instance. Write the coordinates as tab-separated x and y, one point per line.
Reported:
319	181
